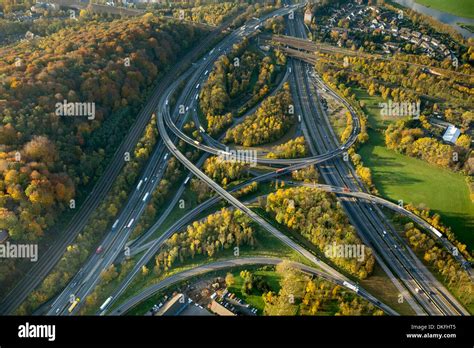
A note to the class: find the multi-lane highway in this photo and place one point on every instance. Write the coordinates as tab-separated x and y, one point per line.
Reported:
425	294
113	245
165	114
417	281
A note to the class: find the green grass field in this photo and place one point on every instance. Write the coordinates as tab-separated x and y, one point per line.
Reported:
462	8
414	181
255	299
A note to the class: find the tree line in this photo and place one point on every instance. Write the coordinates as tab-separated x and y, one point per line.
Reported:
444	263
219	231
294	148
270	122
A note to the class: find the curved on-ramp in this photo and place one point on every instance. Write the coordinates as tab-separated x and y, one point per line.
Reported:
220	265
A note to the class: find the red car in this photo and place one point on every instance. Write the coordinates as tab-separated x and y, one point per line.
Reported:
99	249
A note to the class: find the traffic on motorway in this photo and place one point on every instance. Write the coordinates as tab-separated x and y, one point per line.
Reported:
148	267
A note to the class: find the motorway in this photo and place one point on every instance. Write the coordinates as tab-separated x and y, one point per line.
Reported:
113	245
123	308
430	294
235	202
116	240
165	114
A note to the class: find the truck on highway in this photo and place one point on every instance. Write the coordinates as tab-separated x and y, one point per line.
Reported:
435	231
106	303
186	181
351	286
130	223
139	185
166	157
115	224
299	118
202	129
196	142
146	196
74	304
197	86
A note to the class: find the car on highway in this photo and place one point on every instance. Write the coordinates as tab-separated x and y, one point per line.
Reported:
99	249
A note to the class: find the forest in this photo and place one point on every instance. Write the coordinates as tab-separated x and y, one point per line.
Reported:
48	160
270	122
212	14
224	172
319	218
294	148
100	222
217	232
237	81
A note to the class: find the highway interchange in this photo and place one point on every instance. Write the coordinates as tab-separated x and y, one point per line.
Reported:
422	291
418	279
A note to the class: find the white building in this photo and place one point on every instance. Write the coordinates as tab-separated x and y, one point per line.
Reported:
452	134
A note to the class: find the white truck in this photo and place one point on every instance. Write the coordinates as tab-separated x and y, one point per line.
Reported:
139	185
105	303
351	286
